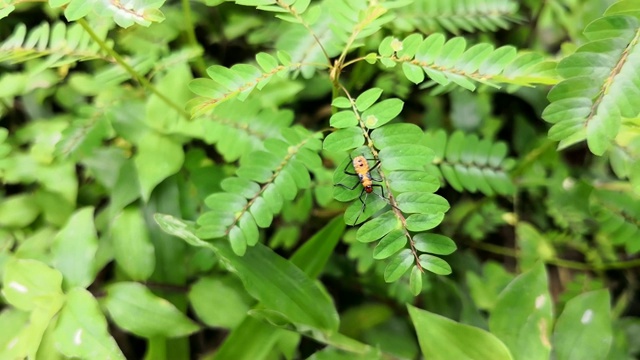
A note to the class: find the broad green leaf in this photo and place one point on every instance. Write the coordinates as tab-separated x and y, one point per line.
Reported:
27	283
82	331
74	249
522	317
434	244
263	338
219	302
444	339
378	227
368	98
382	112
12	321
344	139
18	210
434	264
583	330
136	309
312	256
132	247
277	283
398	265
157	158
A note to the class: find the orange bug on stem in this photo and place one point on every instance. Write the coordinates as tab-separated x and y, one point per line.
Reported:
363	172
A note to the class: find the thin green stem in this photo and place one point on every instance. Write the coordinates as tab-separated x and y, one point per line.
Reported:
200	65
141	79
615	265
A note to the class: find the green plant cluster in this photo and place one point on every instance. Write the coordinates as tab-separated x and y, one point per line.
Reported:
336	179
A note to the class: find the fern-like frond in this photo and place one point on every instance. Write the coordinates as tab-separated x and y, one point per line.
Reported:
290	10
264	180
468	163
7	7
618	215
237	128
124	12
448	62
456	16
61	44
602	82
237	81
401	183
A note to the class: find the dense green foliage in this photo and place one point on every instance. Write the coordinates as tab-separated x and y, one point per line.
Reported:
337	179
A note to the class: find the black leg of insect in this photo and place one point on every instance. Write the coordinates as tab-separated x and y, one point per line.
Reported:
363	171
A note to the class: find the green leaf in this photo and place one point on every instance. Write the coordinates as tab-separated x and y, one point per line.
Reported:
219	302
398	265
405	157
232	202
434	244
396	134
522	316
18	211
312	256
29	283
382	112
434	264
261	212
444	339
74	249
344	139
424	222
423	203
82	331
368	98
341	102
157	158
343	119
277	283
132	247
415	281
378	227
240	186
413	181
390	244
583	330
137	310
414	73
237	241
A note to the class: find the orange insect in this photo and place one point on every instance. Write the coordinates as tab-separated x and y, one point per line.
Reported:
363	172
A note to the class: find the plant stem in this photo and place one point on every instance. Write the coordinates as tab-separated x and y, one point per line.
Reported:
200	66
141	79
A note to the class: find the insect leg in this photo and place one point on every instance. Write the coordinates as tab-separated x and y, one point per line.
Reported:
346	167
364	205
346	187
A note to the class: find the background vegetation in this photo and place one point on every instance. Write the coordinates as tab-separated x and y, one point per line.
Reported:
171	178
